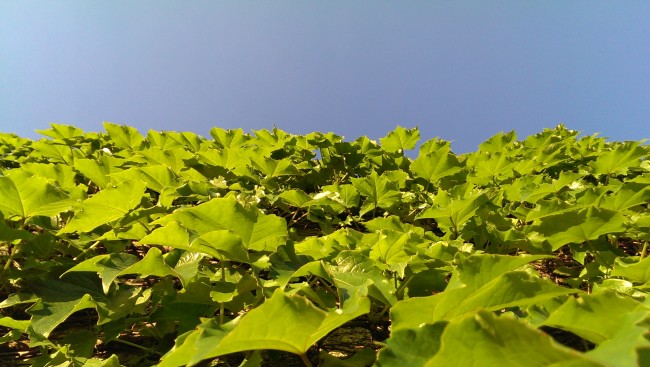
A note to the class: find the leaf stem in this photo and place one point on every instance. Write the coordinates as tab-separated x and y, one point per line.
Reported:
84	252
399	292
222	307
145	349
305	360
455	228
645	246
146	227
12	255
598	257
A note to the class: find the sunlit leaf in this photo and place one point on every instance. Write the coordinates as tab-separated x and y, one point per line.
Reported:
479	281
584	316
411	347
27	196
258	231
579	226
619	160
290	324
400	139
484	339
378	190
435	165
125	137
106	206
231	138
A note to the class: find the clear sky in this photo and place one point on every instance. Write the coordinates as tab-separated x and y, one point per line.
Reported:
460	70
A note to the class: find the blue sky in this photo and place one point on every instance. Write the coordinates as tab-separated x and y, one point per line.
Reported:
460	70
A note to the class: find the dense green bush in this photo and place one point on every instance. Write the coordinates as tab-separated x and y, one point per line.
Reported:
278	249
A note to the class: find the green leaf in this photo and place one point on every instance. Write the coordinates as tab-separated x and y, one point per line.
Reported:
400	139
584	316
226	242
379	191
630	194
55	153
62	177
275	168
347	194
123	136
112	361
172	234
10	323
63	132
482	339
258	231
326	246
46	316
311	268
579	226
354	273
274	139
174	158
629	346
99	170
221	244
152	264
106	206
26	196
538	190
9	234
297	198
157	177
108	267
499	143
393	223
453	213
390	250
411	347
479	281
492	167
435	165
233	160
634	271
290	324
162	140
229	138
189	140
194	346
619	160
